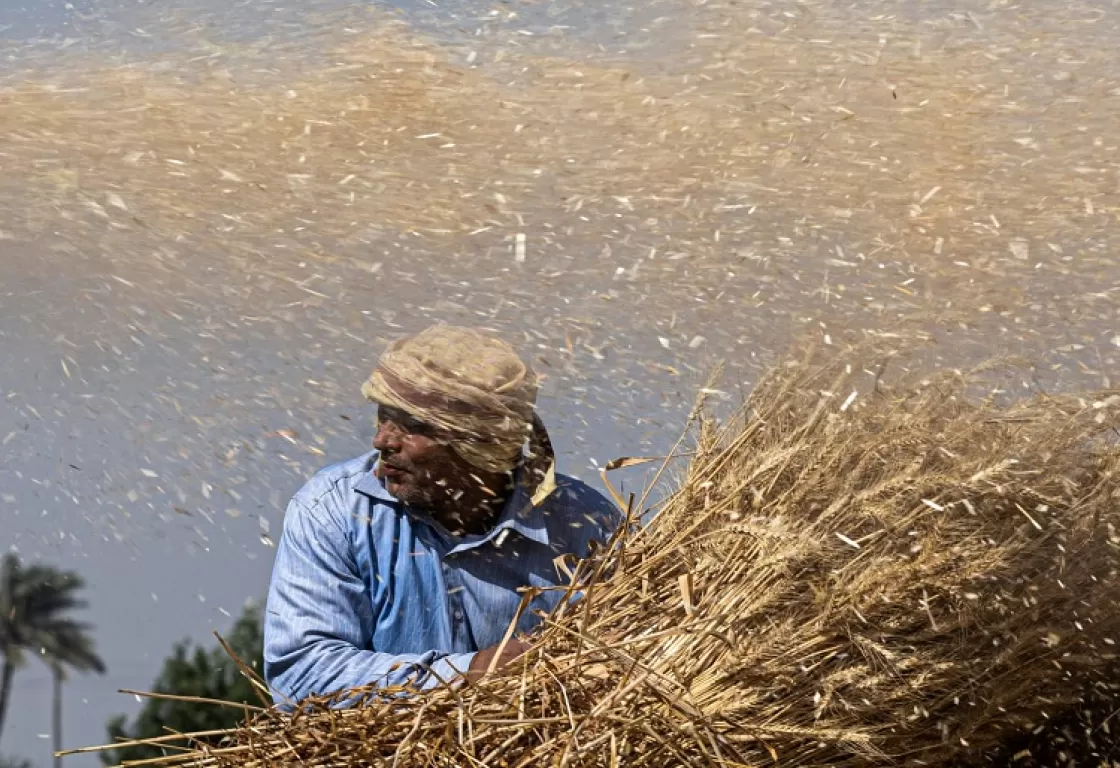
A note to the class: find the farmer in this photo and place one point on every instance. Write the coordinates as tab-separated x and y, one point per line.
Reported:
405	565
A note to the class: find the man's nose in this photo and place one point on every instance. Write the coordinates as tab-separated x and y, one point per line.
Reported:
388	437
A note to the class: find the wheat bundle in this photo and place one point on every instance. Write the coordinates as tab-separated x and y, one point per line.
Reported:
848	574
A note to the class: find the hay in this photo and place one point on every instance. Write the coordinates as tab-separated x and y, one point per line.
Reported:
850	573
1084	736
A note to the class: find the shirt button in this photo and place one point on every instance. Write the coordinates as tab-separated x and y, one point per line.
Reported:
458	615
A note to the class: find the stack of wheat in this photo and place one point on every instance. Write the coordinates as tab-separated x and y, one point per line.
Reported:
849	573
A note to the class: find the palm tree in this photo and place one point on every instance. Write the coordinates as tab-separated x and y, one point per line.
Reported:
34	601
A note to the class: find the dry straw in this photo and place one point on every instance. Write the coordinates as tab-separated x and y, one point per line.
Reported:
849	573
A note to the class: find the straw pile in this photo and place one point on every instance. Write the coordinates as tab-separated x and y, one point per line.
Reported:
849	573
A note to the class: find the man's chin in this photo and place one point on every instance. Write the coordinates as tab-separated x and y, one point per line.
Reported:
404	492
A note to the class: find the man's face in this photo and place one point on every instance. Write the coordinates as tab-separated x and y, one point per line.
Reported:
417	464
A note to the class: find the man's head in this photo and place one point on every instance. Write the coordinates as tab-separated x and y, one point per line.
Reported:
455	408
417	462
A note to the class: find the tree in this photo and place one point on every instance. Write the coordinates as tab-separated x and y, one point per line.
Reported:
34	603
193	671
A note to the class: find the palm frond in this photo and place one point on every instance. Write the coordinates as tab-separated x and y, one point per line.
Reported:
35	603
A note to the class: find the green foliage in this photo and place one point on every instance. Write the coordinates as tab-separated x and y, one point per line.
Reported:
191	670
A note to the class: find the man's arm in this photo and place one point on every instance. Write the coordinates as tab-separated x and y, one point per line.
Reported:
319	619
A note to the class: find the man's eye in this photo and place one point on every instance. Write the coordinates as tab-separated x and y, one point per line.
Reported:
411	426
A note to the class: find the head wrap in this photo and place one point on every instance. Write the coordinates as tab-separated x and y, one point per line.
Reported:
472	385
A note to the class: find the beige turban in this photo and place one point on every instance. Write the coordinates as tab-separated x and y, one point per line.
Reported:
471	384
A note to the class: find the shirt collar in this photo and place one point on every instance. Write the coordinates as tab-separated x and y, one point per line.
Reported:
519	514
369	485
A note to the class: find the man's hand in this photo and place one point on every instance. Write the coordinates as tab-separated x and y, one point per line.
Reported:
480	665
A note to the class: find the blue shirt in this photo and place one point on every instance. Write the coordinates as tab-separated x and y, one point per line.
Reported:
366	591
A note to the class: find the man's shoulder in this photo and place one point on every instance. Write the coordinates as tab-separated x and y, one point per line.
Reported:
334	484
571	490
577	507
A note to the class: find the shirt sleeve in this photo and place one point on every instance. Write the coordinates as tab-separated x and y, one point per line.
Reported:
319	619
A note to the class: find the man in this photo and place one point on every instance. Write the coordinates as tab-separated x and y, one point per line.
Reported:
404	565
